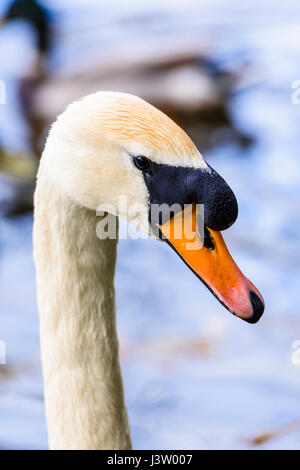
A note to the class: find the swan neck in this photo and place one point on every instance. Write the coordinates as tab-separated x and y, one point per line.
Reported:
80	355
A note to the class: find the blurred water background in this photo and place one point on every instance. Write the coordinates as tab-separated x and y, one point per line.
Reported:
195	377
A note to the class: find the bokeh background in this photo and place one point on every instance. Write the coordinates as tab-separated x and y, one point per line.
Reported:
195	377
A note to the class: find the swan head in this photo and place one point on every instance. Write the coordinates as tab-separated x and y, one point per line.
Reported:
111	147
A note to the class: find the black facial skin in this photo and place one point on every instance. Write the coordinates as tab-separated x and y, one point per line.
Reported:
170	185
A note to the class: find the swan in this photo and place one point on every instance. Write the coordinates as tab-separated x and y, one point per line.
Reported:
106	146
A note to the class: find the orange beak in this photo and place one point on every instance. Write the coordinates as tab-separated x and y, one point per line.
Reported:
207	256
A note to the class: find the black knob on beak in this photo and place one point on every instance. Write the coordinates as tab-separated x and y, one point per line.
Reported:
220	204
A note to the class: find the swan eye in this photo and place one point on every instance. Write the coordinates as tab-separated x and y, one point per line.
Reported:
142	163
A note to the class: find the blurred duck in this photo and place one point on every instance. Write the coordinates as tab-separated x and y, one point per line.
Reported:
181	80
103	147
32	12
35	14
18	170
185	84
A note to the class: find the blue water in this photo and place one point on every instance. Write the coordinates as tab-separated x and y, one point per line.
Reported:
195	377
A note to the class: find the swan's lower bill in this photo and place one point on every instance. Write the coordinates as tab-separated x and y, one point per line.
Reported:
206	254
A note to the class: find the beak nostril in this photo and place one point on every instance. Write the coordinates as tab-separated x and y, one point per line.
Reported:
208	240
